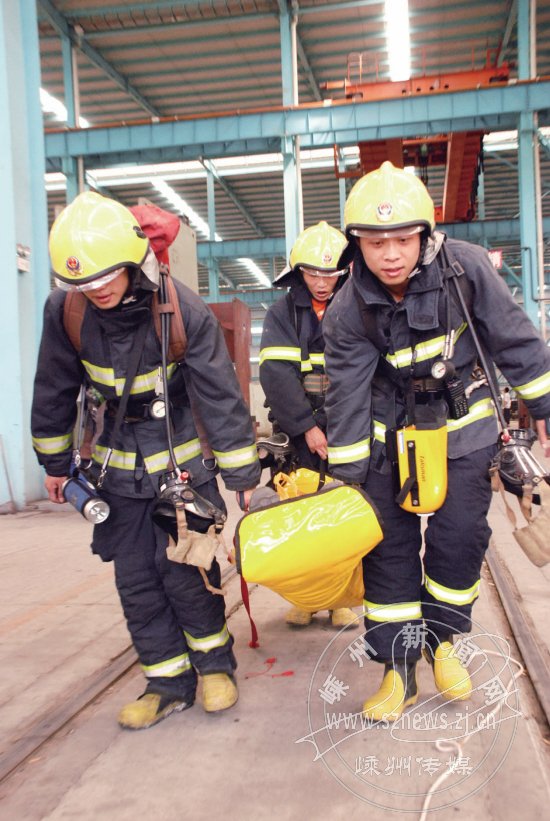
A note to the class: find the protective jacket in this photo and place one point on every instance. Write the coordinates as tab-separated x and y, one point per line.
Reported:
292	346
365	323
141	453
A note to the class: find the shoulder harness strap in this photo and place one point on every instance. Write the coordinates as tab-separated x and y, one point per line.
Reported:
74	309
453	268
178	337
75	306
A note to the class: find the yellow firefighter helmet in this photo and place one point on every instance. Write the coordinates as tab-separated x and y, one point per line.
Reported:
318	250
387	201
93	237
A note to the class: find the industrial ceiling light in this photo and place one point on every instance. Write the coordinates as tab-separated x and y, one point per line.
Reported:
398	39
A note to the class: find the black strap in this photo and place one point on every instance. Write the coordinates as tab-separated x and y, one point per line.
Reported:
133	362
322	474
411	483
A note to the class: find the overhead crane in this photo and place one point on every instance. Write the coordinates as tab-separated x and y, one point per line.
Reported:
459	152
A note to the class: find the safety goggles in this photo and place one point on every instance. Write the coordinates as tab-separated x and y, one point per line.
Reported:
388	233
92	285
318	272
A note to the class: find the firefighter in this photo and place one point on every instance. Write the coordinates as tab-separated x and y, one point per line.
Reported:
177	625
292	372
385	337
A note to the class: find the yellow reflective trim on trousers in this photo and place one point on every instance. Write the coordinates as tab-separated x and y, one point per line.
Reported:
168	669
479	410
280	353
236	458
450	595
349	453
404	611
143	383
53	444
208	642
535	388
123	460
424	350
184	452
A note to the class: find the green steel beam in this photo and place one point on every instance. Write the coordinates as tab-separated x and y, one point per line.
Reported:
252	298
342	123
504	230
60	24
494	231
236	249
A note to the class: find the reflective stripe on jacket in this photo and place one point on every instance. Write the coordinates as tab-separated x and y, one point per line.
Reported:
413	330
107	338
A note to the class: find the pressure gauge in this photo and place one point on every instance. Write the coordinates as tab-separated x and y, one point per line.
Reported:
443	369
157	408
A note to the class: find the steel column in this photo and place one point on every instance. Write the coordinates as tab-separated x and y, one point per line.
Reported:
290	146
23	216
213	267
530	215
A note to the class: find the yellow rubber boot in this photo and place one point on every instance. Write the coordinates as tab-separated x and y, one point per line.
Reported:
397	691
298	618
149	709
344	617
451	678
219	692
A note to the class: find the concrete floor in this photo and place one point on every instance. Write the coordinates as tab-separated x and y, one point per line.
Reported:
272	756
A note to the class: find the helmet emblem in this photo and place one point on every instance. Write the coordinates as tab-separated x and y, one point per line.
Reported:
384	211
73	266
327	256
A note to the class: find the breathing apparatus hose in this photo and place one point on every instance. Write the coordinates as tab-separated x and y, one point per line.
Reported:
164	342
80	425
482	358
182	479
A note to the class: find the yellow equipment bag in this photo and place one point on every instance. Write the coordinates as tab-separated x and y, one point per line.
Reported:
308	549
297	483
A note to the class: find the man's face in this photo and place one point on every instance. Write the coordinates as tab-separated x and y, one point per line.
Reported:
391	260
320	287
110	295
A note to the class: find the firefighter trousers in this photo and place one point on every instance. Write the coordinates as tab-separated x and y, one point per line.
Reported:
177	626
410	601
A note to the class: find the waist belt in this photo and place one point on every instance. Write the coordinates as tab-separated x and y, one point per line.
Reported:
428	385
137	412
316	383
